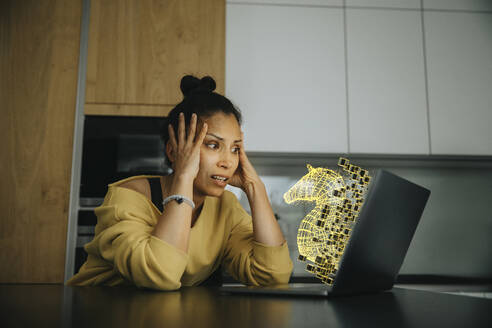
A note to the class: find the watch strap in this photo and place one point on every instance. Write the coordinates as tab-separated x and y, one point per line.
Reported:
180	199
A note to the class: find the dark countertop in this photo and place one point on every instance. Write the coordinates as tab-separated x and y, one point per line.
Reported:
62	306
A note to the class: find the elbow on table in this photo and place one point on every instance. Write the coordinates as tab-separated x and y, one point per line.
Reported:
280	278
144	275
148	266
274	278
283	277
161	285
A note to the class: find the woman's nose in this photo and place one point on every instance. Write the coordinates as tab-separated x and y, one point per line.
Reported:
225	160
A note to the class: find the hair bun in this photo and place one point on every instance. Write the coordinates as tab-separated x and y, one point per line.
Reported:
208	83
190	84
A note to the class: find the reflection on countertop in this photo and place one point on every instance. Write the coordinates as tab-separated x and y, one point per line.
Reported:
63	306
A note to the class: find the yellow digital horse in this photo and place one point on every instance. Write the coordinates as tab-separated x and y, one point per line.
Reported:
324	232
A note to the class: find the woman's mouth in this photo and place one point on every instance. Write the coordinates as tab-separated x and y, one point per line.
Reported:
220	180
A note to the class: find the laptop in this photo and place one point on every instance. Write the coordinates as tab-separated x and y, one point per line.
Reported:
377	246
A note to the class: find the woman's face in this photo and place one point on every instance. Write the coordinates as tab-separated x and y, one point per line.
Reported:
219	155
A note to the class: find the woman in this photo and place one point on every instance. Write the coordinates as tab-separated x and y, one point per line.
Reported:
202	226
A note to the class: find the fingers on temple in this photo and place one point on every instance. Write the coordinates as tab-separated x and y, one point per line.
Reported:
181	129
201	136
172	137
191	132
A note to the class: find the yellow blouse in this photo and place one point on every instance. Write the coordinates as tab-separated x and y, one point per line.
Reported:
123	250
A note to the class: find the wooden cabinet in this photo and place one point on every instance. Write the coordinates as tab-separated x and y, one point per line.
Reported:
139	50
39	51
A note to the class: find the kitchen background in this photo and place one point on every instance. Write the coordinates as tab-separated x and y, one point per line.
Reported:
377	80
403	85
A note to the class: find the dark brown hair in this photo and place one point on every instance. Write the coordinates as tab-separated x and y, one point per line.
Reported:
199	98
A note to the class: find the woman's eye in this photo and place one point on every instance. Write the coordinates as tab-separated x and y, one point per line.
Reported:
212	145
236	150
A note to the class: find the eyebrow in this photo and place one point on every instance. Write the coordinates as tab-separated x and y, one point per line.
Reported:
220	138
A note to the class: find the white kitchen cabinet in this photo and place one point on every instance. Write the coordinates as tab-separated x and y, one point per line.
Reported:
386	82
407	4
459	52
479	5
291	2
285	69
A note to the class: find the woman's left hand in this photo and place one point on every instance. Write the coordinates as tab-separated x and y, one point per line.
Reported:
245	176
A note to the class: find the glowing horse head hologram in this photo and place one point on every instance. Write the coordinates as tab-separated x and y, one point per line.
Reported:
321	185
324	232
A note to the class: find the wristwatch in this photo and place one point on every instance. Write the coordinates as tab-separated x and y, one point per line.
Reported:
180	199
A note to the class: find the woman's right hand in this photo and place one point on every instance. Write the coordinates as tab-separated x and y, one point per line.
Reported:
185	148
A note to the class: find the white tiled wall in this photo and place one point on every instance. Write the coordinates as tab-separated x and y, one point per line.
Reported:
459	52
290	2
377	77
386	82
480	5
285	69
409	4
